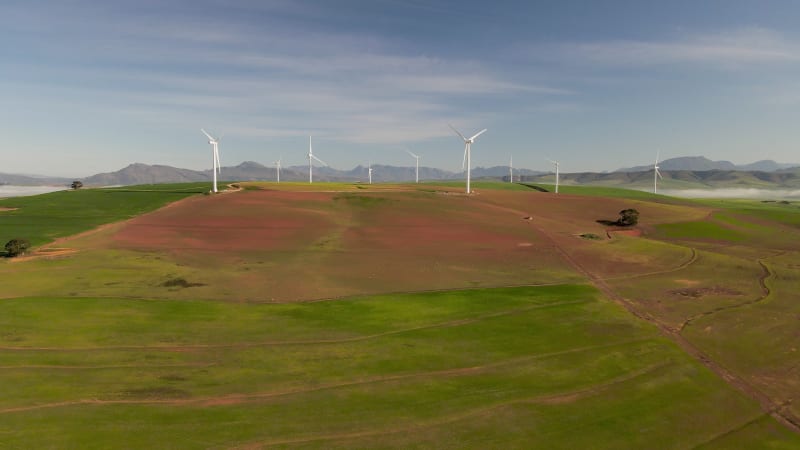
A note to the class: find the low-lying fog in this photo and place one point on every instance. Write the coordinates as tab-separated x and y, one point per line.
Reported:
7	190
765	194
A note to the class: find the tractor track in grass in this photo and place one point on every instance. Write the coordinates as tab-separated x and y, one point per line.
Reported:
733	430
234	399
552	399
191	347
108	367
779	411
766	274
692	259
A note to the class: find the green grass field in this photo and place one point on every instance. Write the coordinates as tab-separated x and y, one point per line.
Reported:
99	350
557	367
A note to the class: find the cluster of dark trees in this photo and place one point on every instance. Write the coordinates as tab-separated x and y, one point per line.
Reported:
627	218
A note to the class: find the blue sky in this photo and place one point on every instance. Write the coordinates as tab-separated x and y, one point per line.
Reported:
89	87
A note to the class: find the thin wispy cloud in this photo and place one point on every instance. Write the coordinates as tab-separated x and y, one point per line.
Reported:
366	76
748	46
367	89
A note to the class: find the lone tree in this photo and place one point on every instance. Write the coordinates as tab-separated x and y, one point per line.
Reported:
16	247
628	217
76	184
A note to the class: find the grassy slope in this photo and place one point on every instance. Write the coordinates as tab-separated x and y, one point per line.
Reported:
347	256
43	218
514	406
475	369
719	300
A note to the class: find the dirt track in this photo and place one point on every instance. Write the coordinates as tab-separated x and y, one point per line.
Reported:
776	410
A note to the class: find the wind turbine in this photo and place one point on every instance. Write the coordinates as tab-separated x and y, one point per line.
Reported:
467	151
511	169
214	156
557	164
656	174
278	169
311	159
417	170
369	171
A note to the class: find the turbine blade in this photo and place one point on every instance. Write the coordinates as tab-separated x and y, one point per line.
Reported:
210	138
409	152
321	161
460	135
479	133
657	155
659	174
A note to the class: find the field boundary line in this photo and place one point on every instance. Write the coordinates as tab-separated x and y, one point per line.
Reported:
60	240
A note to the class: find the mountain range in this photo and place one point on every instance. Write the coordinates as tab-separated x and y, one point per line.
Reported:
683	172
700	163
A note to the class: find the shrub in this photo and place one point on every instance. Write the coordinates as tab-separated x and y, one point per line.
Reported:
16	247
628	217
180	282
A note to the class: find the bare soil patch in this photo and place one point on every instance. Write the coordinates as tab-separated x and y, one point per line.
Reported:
632	232
46	253
698	292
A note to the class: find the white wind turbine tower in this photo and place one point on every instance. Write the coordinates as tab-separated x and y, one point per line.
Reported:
656	174
278	169
556	164
467	151
417	169
369	171
511	169
214	156
311	159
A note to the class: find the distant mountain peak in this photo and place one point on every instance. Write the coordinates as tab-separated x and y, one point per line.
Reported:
251	165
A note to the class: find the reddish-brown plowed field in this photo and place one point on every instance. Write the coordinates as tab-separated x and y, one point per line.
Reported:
292	245
565	217
241	222
575	214
288	246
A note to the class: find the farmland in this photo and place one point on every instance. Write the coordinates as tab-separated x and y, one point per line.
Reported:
399	316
